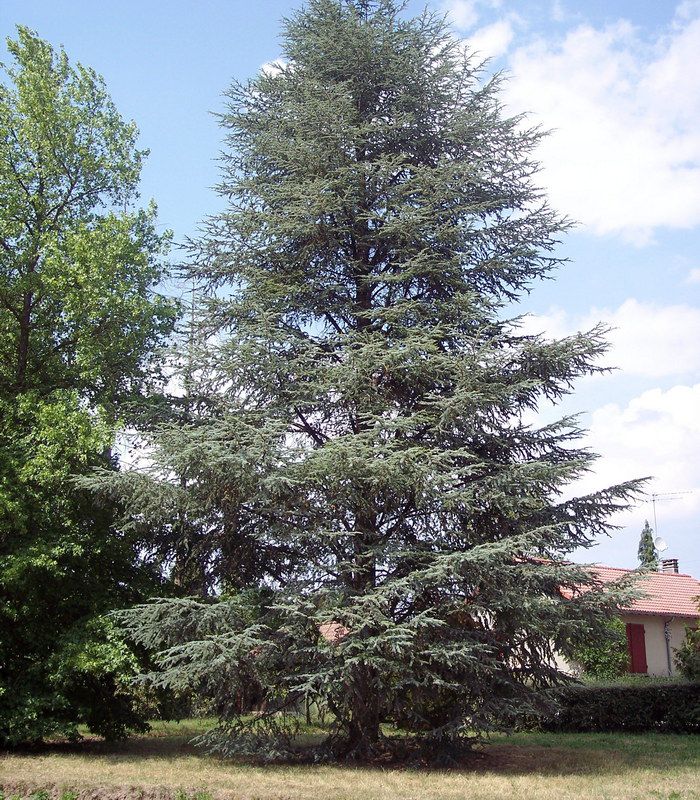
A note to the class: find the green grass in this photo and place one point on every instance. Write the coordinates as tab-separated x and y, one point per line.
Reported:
163	765
629	679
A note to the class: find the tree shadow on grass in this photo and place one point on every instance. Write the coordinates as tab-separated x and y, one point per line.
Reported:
551	755
154	744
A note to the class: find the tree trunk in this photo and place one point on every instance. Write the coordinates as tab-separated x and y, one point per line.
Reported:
364	701
25	323
364	732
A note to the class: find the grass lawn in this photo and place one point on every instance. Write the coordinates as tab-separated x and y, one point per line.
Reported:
535	766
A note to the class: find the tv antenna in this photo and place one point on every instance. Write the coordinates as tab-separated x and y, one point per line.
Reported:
662	497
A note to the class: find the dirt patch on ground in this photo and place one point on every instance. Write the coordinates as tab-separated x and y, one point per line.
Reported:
28	791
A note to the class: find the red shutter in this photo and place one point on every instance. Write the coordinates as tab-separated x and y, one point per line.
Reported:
636	647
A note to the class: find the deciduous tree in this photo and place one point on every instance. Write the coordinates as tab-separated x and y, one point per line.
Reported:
79	322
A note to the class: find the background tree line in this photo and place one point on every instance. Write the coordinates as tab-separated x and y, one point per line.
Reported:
343	502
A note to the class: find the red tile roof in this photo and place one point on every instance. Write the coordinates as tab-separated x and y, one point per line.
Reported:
668	593
333	632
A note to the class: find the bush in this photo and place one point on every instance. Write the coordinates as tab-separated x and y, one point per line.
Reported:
606	659
86	680
663	708
688	655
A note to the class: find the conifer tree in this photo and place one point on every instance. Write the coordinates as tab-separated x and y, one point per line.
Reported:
647	553
366	424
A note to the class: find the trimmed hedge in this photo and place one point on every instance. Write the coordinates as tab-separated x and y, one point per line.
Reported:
671	708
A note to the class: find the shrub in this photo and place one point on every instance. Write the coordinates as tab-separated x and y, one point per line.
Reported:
605	659
688	655
87	680
663	708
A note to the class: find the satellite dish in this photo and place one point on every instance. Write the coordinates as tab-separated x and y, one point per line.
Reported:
660	544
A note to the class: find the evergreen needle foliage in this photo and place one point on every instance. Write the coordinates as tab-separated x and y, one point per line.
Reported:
647	552
359	436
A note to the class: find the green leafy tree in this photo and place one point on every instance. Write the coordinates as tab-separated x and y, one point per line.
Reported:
79	323
647	552
409	524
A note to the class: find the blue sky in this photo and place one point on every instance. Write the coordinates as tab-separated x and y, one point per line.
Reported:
616	83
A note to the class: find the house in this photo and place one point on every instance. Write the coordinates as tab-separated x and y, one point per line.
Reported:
656	622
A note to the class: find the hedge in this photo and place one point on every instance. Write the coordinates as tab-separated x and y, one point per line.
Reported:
671	708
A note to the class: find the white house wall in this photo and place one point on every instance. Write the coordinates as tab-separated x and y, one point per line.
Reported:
655	641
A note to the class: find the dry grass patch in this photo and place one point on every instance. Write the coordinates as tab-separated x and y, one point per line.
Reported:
532	766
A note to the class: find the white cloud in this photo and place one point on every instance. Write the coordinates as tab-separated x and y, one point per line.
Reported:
657	423
624	155
656	434
647	340
492	41
462	14
272	68
558	12
693	276
687	9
